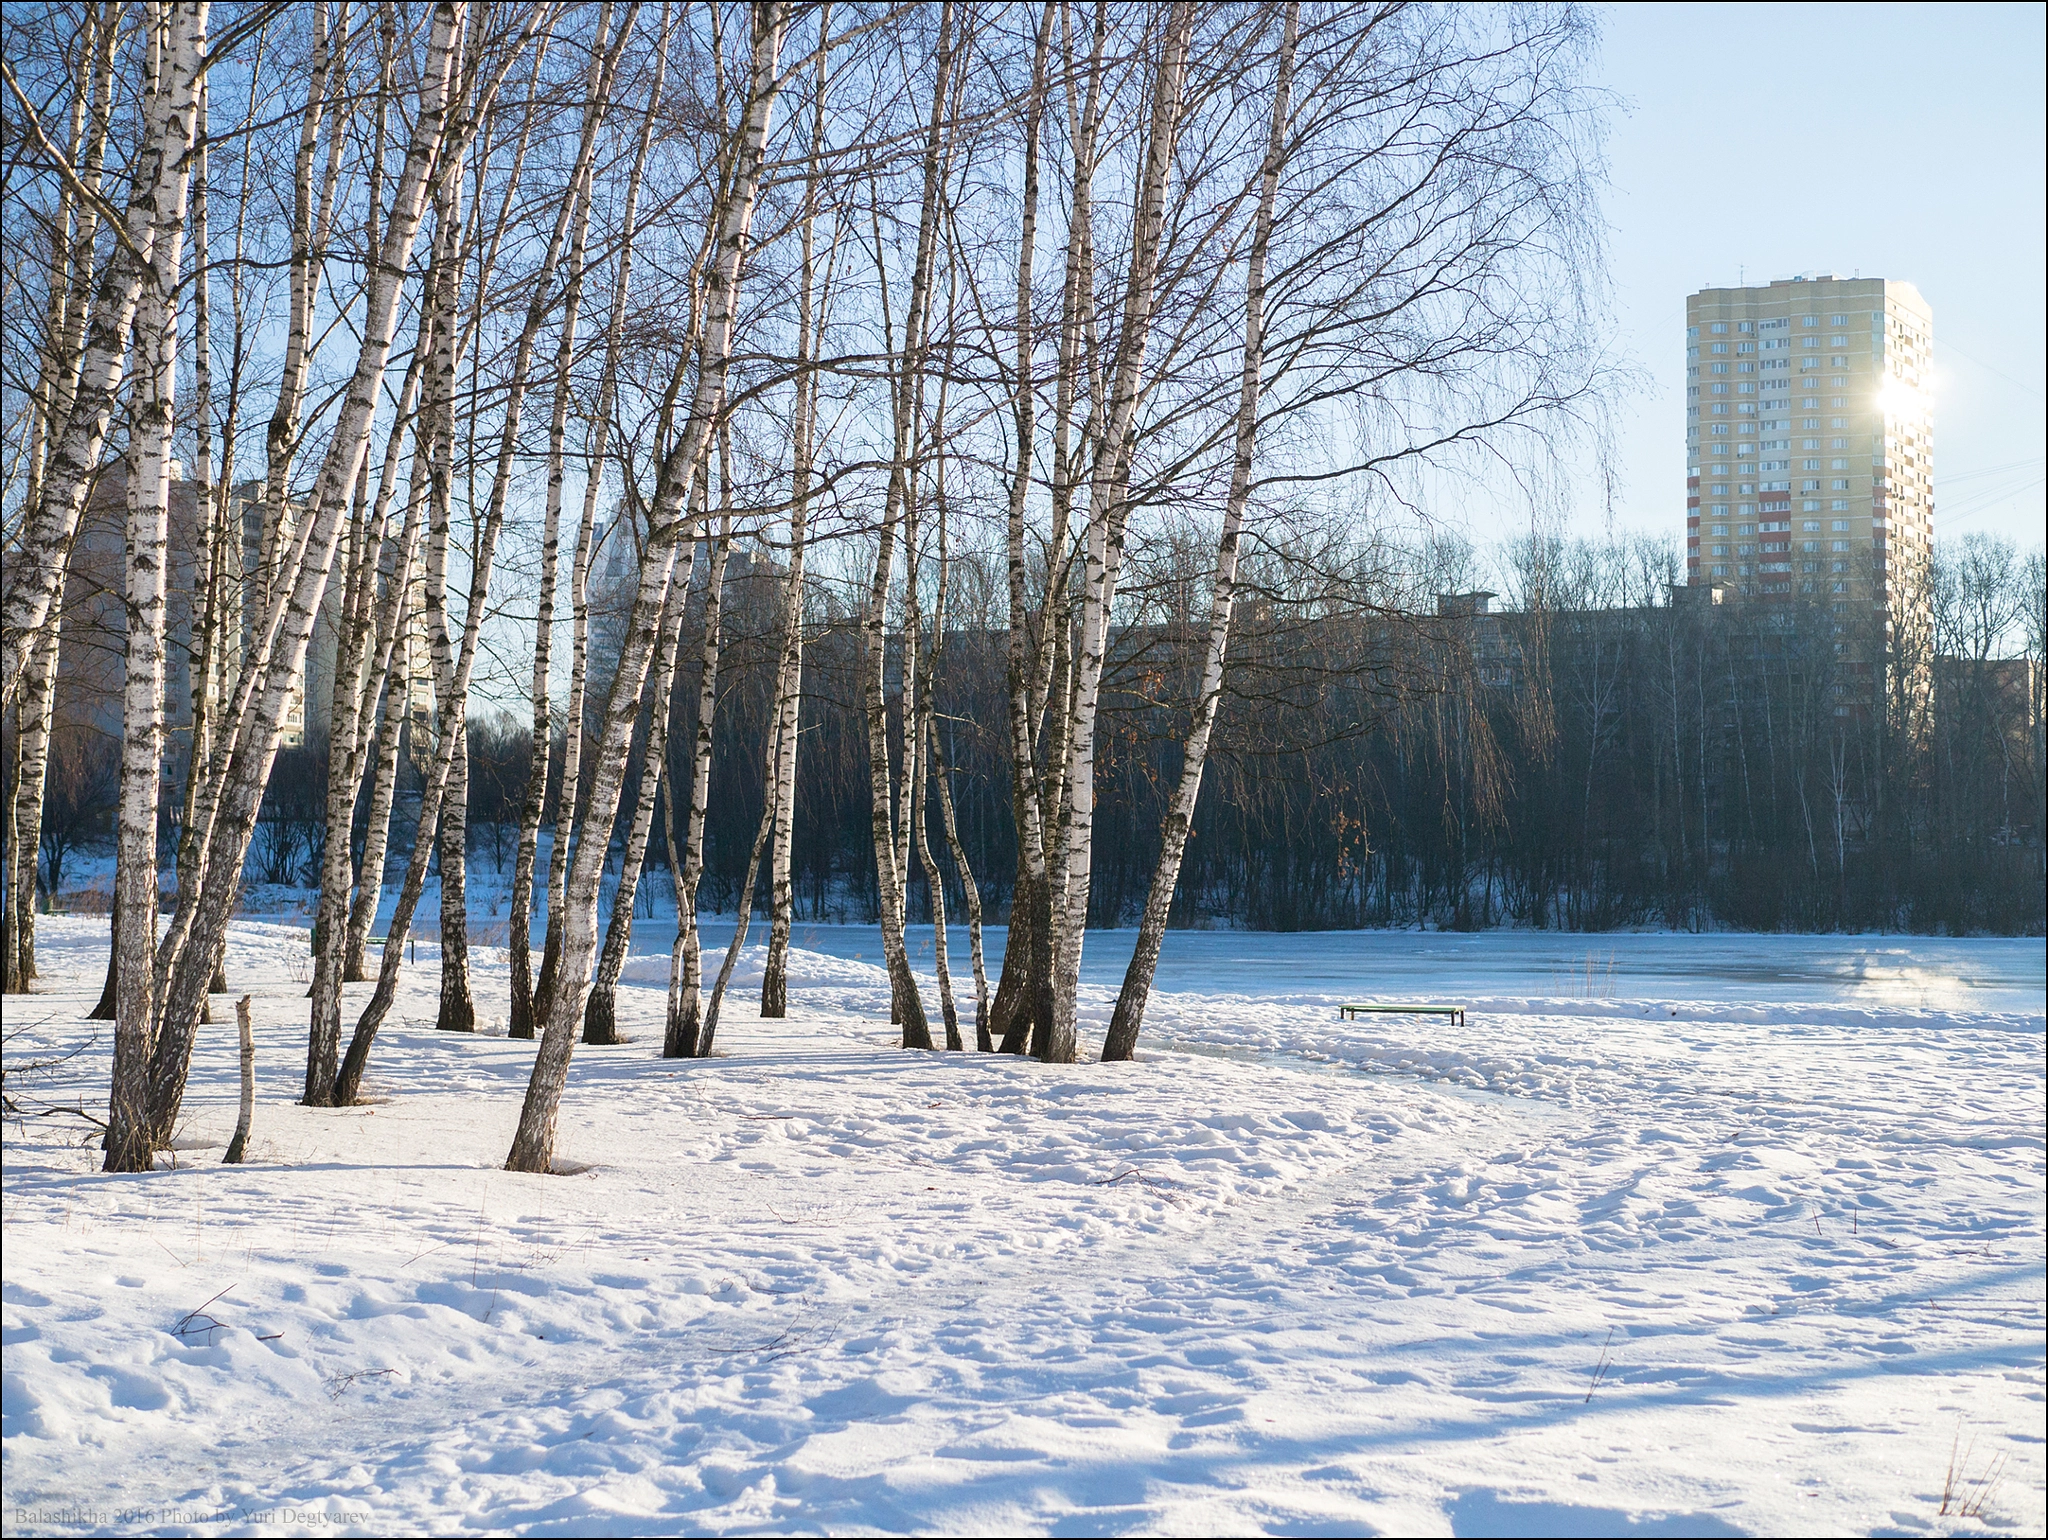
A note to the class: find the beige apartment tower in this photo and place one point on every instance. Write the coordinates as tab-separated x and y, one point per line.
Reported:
1809	440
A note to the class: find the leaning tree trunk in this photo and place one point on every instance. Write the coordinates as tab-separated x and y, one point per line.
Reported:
534	1143
1121	1042
983	1039
198	943
520	940
741	920
600	1026
35	569
362	655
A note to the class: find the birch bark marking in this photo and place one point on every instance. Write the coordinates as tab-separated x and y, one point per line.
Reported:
351	715
308	253
891	868
1012	1003
25	837
180	35
789	677
600	1026
35	568
1121	1041
984	1039
535	804
686	961
533	1145
71	276
238	1147
1107	512
247	763
447	779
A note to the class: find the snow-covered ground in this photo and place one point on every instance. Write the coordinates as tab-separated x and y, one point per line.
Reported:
1685	1235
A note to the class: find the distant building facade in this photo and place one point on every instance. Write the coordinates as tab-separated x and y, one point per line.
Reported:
1809	441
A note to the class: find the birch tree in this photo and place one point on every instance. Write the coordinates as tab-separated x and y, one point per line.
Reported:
1121	1041
533	1145
177	49
287	626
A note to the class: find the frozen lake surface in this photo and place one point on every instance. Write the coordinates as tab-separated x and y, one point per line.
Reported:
1976	973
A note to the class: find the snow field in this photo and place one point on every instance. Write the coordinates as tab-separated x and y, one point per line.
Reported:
1580	1266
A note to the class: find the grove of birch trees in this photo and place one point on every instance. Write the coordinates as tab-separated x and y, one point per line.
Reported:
499	358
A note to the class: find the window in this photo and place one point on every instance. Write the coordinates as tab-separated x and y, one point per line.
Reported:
1811	342
1838	320
1719	489
1721	530
1812	443
1745	368
1719	347
1810	527
1720	510
1692	331
1747	510
1810	465
1838	422
1838	545
1809	320
1747	388
1719	368
1745	529
1839	526
1745	347
1838	342
1720	550
1839	484
1745	550
1718	327
1746	326
1810	403
1746	487
1837	401
1811	505
1840	505
1721	427
1720	571
1720	407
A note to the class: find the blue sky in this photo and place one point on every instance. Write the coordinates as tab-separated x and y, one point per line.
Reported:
1896	141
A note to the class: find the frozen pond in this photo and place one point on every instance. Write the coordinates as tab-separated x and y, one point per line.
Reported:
1991	974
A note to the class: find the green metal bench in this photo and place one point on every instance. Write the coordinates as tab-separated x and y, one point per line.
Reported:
1455	1012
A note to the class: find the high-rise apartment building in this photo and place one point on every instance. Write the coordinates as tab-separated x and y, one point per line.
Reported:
1809	440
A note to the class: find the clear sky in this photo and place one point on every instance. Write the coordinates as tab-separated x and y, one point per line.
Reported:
1894	141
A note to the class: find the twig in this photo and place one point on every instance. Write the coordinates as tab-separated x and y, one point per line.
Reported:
1600	1369
185	1327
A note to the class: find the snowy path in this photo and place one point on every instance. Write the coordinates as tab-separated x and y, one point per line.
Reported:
1285	1274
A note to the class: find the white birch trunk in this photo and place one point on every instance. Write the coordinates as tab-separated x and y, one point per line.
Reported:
230	820
686	960
35	568
1121	1041
1107	512
179	43
789	677
533	1145
520	939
